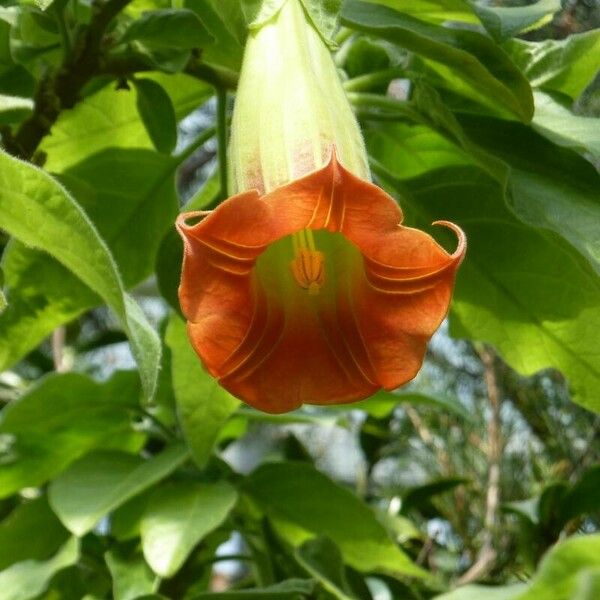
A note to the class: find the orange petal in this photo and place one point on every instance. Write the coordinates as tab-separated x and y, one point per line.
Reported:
277	352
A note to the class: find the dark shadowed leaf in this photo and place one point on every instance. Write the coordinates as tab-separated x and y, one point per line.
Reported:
131	576
31	532
177	28
507	21
28	579
304	502
157	113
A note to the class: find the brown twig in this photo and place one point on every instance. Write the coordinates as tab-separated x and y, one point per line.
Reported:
61	89
488	554
58	349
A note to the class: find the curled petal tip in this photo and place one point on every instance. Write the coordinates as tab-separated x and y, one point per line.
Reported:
461	248
181	222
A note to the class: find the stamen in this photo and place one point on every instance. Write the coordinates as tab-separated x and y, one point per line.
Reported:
308	266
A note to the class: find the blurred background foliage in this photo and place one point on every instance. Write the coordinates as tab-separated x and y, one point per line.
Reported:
125	472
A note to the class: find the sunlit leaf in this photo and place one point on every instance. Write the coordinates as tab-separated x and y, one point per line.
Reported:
101	481
178	517
202	405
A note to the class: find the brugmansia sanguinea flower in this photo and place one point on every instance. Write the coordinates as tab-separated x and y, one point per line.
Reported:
305	287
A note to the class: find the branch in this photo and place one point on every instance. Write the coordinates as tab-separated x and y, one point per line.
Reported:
62	89
487	554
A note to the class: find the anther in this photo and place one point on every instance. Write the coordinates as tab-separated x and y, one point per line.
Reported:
308	269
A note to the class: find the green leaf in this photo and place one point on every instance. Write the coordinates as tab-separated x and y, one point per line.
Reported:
56	224
258	12
421	149
59	420
290	589
178	517
325	15
101	481
557	575
477	592
566	66
469	61
561	126
516	286
31	531
177	28
550	187
129	194
436	11
304	502
125	521
588	585
507	21
202	405
131	576
30	578
225	22
109	119
581	498
322	560
14	108
419	497
157	113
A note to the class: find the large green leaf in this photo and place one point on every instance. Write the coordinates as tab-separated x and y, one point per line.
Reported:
103	480
507	21
436	11
558	574
59	420
31	532
560	125
41	213
469	61
109	119
129	194
172	27
521	288
550	187
30	578
178	517
303	502
566	66
202	405
582	497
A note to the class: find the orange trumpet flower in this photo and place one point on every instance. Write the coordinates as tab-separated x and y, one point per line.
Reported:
309	290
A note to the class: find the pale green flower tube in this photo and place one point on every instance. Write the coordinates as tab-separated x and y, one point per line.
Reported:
291	108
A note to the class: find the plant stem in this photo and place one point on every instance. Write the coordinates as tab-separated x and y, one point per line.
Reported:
62	89
222	138
374	79
197	143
